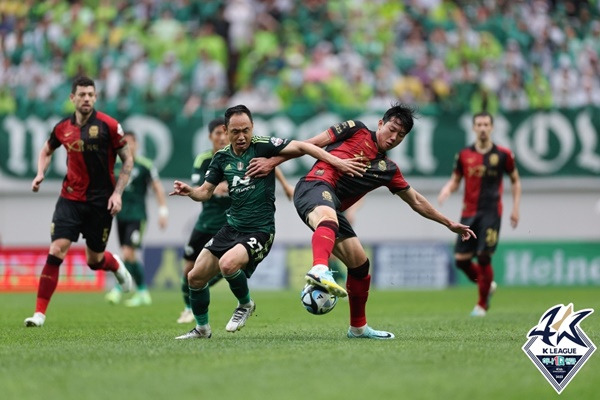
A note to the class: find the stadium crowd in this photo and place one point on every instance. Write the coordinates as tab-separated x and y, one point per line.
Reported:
177	58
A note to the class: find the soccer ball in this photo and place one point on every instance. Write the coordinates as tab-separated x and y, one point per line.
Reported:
316	300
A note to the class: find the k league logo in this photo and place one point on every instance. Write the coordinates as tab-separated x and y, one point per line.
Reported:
557	346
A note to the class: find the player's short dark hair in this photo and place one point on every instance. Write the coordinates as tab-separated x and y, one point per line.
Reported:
214	123
82	81
483	114
405	114
239	109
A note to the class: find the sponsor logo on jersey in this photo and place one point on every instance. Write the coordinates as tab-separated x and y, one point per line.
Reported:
240	166
494	160
557	345
381	165
320	172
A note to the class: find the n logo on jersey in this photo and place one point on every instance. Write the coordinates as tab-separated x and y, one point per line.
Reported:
558	347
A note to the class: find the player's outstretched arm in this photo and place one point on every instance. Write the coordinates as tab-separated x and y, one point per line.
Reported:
420	204
516	195
350	166
163	210
287	188
44	159
200	193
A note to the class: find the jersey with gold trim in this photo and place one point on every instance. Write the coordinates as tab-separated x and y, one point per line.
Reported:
351	139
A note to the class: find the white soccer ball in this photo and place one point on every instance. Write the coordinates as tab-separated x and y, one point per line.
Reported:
316	300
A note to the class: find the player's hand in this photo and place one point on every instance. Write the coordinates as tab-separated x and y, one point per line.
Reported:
181	189
351	166
463	230
114	204
37	181
162	222
260	167
514	218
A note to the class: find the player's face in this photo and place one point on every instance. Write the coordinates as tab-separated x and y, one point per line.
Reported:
239	131
390	134
219	137
482	126
84	99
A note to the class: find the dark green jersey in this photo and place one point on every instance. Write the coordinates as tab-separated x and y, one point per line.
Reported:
134	195
252	199
213	216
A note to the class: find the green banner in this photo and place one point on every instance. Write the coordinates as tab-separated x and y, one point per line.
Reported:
546	264
546	143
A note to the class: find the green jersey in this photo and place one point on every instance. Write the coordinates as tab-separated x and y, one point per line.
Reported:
252	199
134	195
213	216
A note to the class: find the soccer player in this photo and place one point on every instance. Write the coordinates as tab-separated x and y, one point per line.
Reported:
246	239
131	221
213	216
483	166
323	194
90	198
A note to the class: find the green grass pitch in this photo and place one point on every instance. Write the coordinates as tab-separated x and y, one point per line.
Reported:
91	350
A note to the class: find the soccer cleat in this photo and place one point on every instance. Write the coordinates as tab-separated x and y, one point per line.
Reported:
139	299
478	311
199	332
239	317
114	296
123	276
370	333
186	316
493	287
321	276
37	320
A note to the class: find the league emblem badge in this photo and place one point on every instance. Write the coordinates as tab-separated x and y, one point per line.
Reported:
557	345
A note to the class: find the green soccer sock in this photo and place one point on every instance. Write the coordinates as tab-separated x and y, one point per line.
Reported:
137	273
199	300
185	290
238	283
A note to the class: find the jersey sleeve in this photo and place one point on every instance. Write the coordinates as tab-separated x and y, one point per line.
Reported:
397	182
214	172
154	173
200	167
269	146
510	162
53	141
343	130
458	166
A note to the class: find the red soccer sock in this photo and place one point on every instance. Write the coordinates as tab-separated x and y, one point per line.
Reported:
323	240
470	269
484	280
358	293
110	264
48	283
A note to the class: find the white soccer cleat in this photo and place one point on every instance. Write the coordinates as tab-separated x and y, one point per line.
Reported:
199	332
478	311
320	275
123	276
370	333
113	296
37	320
186	317
239	317
139	299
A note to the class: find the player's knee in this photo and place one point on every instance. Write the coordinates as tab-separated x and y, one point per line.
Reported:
484	259
463	264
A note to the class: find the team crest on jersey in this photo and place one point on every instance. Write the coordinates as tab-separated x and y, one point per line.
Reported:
240	166
382	165
557	345
320	172
327	196
494	159
276	141
93	131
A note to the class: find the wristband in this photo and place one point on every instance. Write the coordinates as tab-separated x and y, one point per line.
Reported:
163	211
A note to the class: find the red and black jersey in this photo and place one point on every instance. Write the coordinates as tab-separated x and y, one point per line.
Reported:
351	139
91	154
483	175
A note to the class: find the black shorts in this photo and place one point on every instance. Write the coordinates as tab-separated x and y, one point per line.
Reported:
131	232
486	226
310	194
257	244
195	244
74	217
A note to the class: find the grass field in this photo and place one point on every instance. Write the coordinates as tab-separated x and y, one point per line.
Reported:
90	350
